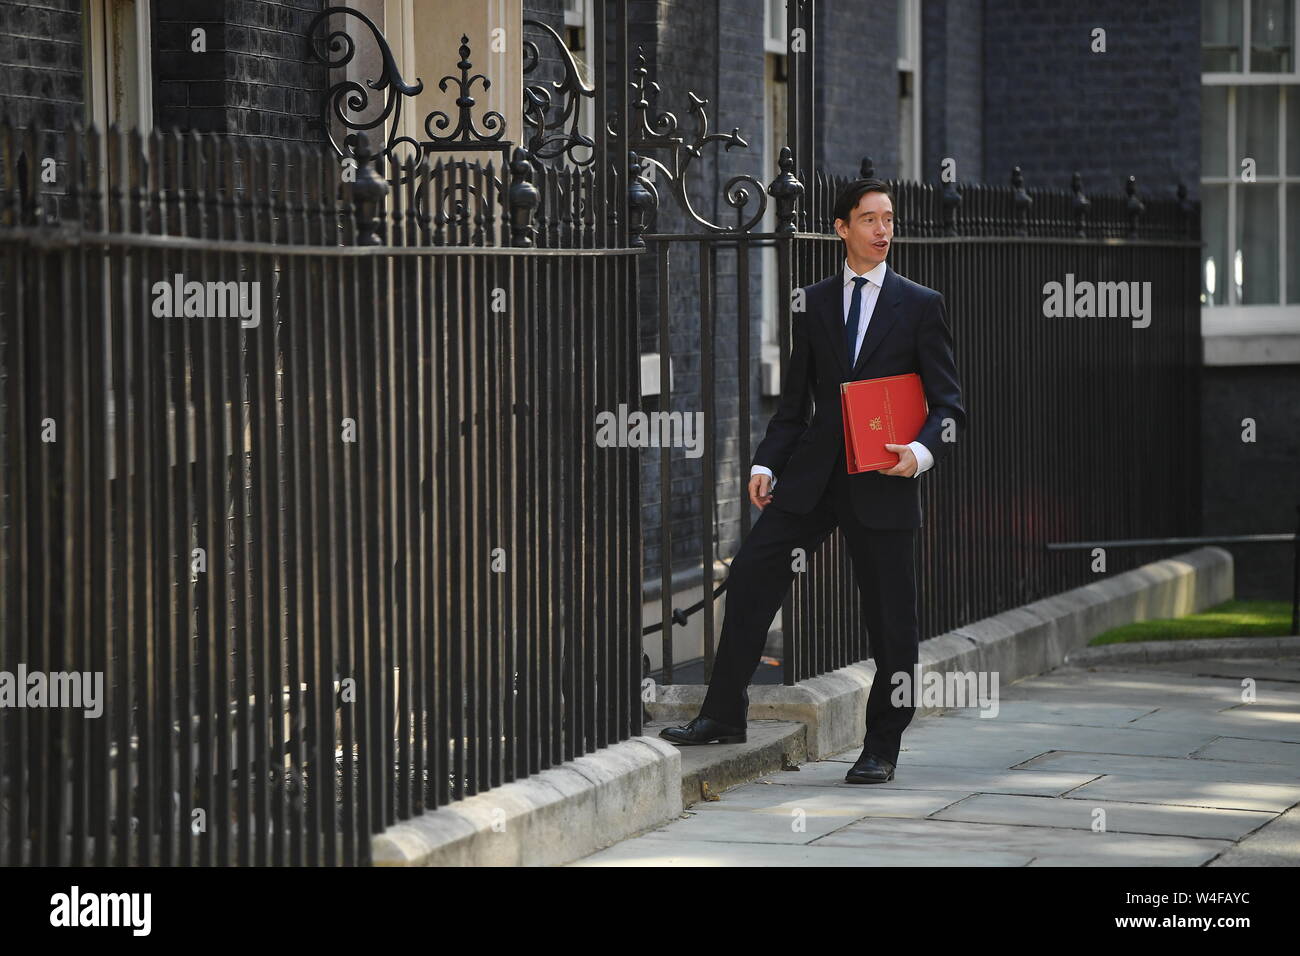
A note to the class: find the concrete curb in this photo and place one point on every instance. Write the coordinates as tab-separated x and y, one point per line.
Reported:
549	818
570	811
1160	652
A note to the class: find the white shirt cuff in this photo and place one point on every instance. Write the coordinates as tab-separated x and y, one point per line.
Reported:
924	460
762	470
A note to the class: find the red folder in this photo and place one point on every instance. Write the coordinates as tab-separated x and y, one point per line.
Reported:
880	410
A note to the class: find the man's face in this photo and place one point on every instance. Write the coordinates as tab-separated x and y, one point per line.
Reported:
869	230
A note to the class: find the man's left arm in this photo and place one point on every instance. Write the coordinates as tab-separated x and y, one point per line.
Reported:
942	389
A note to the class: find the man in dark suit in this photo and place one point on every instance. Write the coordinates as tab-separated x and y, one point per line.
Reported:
865	322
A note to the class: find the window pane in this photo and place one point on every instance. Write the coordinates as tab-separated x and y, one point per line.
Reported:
1292	245
1255	261
1214	131
1271	36
1221	36
1292	94
1214	235
1257	137
906	131
776	20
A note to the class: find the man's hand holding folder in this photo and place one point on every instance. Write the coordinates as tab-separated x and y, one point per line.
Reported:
881	416
907	463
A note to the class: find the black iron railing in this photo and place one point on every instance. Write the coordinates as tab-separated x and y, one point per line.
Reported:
1079	427
320	500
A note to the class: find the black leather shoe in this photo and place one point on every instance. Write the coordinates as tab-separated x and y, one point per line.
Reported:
870	769
704	730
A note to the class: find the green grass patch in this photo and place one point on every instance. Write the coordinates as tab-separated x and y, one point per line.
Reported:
1229	619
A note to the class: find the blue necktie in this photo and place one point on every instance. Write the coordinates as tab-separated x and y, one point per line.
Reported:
851	326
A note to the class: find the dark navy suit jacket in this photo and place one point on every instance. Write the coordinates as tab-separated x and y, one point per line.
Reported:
908	332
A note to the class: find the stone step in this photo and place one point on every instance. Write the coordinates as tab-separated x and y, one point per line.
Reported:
771	745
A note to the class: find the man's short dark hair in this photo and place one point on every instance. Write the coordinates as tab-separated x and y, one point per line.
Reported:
854	191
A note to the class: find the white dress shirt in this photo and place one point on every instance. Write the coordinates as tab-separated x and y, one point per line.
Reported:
870	293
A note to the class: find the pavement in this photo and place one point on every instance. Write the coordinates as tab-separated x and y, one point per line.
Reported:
1123	764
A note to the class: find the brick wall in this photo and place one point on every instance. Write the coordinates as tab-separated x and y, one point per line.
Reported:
1052	106
41	64
856	87
952	87
253	80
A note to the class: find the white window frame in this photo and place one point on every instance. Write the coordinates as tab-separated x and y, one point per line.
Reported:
1232	317
577	13
399	30
774	28
774	134
909	61
1245	76
582	14
105	73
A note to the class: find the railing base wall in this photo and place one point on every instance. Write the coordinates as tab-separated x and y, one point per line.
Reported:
550	818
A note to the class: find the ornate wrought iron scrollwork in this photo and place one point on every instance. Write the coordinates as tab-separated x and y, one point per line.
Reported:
659	129
466	131
459	198
553	111
347	99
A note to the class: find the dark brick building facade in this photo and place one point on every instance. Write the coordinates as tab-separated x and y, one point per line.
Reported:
41	64
254	80
1000	84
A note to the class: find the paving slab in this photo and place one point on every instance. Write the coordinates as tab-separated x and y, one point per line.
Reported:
849	802
1055	712
1044	846
1243	749
1187	774
1218	794
1276	669
797	823
952	736
1256	721
964	779
747	826
1133	686
642	852
1120	817
1163	768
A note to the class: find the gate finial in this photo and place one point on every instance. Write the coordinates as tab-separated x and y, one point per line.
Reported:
786	190
368	193
1021	201
523	199
1134	206
1079	205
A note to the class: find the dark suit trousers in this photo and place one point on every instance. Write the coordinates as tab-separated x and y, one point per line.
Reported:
760	576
